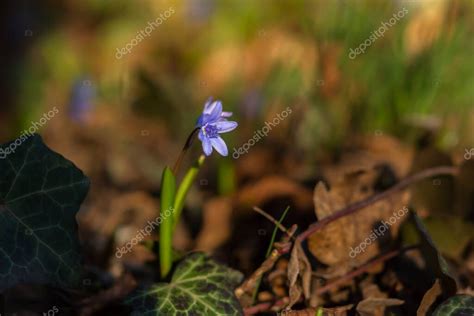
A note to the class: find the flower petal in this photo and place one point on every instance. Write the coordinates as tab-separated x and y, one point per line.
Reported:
213	111
208	103
220	146
206	146
225	126
226	114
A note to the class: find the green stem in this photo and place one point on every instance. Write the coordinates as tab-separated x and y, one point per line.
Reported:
168	189
183	189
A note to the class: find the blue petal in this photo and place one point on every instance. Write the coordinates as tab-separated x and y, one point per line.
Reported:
220	146
206	144
207	104
225	126
212	112
226	114
201	135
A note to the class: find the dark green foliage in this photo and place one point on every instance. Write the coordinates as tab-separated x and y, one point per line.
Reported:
40	194
459	305
199	286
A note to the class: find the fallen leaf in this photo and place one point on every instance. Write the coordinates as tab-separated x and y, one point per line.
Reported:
299	268
429	298
354	239
376	306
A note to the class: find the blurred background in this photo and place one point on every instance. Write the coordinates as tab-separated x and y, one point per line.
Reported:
257	57
130	78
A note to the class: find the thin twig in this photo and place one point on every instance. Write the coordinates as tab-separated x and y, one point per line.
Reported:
262	307
266	306
362	269
352	208
249	284
273	220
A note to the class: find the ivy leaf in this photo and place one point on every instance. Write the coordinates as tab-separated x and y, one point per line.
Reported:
40	194
199	286
458	305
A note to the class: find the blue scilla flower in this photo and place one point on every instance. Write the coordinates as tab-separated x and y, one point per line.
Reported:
212	122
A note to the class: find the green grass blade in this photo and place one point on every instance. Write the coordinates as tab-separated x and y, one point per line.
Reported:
168	189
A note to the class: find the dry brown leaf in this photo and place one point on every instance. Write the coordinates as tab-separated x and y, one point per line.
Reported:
337	311
429	298
340	243
370	289
299	268
294	294
338	235
216	224
373	306
375	301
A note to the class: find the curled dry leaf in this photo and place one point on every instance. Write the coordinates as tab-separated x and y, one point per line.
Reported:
429	298
354	239
245	290
375	301
374	306
337	311
299	266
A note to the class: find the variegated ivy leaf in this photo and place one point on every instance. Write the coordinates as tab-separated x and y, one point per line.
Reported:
40	194
199	286
459	305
